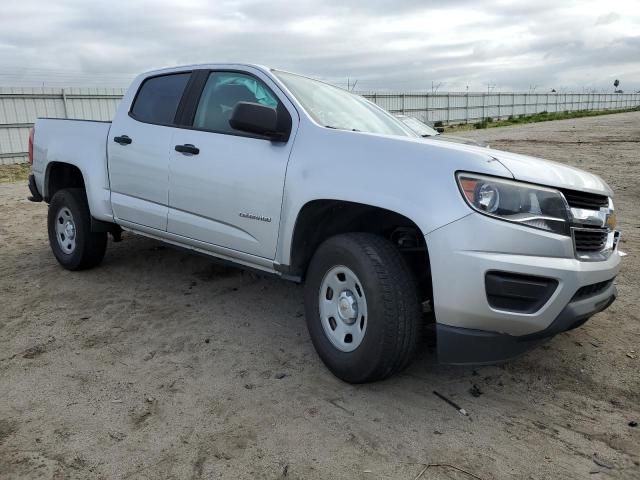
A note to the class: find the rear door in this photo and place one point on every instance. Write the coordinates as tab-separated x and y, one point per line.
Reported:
229	194
139	146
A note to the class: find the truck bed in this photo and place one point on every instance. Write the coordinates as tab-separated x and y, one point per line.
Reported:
81	143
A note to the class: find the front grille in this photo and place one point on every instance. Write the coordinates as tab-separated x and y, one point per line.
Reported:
591	290
586	200
590	239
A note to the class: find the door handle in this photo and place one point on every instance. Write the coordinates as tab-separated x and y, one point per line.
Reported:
122	140
187	149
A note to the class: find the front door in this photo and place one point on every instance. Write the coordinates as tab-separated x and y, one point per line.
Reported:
229	193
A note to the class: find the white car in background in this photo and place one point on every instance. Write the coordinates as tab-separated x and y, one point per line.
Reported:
427	131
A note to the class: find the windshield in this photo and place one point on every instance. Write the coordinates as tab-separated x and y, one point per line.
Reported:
333	107
417	126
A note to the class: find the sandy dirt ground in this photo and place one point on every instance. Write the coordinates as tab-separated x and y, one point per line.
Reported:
162	364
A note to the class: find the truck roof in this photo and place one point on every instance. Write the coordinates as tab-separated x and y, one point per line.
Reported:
206	65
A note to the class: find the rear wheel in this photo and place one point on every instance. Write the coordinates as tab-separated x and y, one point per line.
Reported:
362	307
73	243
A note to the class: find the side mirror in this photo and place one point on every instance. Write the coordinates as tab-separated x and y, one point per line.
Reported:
440	129
255	118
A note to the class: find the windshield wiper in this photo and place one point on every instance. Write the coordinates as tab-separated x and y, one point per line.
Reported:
342	128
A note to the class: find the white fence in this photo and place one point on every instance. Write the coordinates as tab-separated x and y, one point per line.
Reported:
19	107
474	107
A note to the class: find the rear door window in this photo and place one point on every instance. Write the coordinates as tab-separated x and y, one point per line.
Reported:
158	98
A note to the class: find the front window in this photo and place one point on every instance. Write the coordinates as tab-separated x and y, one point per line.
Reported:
333	107
222	92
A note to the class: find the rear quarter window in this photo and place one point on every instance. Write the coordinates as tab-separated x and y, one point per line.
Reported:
158	98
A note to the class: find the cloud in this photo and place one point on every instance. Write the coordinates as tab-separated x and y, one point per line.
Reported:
607	19
384	44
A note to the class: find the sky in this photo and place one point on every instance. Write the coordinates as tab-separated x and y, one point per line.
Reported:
396	45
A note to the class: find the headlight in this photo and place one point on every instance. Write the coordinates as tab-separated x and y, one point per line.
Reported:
532	205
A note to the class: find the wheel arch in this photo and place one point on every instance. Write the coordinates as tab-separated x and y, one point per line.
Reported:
59	175
320	219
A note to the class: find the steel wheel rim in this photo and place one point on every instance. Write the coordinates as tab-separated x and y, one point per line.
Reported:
343	308
66	233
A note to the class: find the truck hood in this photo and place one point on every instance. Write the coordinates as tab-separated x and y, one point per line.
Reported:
532	169
552	174
524	168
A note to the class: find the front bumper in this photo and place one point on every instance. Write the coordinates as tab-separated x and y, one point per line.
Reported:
460	346
469	329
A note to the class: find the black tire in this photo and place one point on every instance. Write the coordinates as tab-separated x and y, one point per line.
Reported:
394	319
90	247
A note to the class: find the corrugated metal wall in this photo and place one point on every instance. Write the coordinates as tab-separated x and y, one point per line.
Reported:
19	107
473	107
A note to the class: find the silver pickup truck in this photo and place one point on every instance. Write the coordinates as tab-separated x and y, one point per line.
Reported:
390	232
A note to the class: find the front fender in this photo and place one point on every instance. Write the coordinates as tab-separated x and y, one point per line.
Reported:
412	177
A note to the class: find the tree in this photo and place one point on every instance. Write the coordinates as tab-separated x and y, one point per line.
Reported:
616	83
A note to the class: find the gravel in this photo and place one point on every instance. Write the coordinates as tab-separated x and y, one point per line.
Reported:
82	353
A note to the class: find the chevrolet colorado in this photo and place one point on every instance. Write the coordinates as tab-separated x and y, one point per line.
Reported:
390	232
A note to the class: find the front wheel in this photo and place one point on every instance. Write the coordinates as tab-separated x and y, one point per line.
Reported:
73	243
362	307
